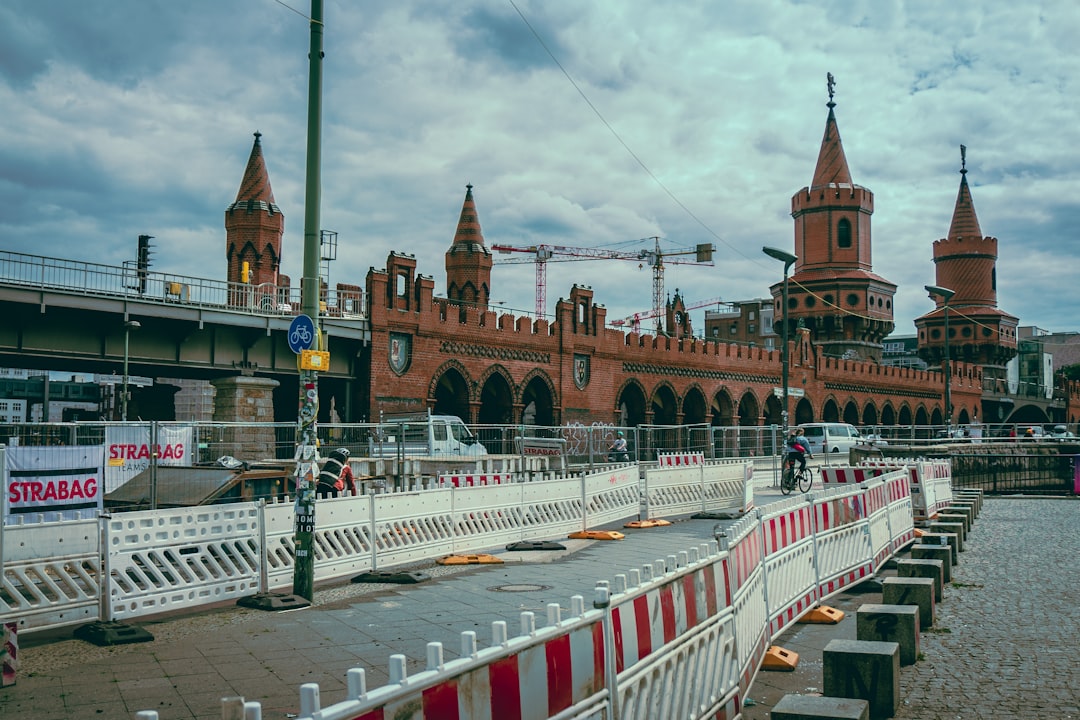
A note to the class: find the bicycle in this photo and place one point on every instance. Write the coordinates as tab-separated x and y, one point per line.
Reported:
792	477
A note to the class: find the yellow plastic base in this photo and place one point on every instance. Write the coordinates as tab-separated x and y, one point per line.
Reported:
596	535
777	658
823	615
468	560
646	523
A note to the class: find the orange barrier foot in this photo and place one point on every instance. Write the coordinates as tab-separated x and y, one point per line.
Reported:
468	560
596	535
777	658
646	523
824	615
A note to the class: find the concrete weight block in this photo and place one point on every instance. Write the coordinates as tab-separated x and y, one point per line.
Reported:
813	707
920	551
890	623
918	591
865	670
936	526
945	539
925	569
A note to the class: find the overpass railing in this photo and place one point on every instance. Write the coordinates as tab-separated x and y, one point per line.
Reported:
129	281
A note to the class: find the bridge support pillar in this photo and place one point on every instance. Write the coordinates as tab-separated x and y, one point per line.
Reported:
249	402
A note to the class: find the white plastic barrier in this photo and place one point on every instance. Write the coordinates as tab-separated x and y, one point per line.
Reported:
681	637
474	479
158	561
673	631
50	574
746	582
842	538
688	484
556	671
930	481
787	531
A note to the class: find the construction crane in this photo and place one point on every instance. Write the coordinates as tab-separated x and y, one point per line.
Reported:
655	257
634	321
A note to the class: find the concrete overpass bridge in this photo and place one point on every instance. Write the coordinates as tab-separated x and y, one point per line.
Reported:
74	316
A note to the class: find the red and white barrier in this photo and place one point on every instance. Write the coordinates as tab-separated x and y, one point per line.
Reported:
649	621
475	480
9	654
686	459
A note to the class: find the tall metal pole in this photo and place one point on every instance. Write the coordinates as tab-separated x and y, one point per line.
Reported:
936	291
948	377
788	259
307	450
129	325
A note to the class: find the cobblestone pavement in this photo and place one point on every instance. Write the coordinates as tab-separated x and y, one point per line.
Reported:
1004	642
1002	646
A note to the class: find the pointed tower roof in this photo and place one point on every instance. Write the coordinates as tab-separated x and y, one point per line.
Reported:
468	227
964	221
832	167
255	187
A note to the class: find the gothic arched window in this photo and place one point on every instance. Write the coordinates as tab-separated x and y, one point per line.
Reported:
843	233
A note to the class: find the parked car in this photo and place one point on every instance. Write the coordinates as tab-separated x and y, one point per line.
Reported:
874	439
831	437
1061	432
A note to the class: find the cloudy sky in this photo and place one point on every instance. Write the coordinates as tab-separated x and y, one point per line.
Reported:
579	124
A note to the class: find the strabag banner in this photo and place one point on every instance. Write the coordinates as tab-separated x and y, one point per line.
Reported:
48	478
128	450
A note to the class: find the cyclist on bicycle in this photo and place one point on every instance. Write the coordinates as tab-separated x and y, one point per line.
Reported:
799	448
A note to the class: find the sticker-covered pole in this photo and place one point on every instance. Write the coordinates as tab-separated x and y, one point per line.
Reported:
307	439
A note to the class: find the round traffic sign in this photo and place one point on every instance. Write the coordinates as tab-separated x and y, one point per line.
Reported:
301	334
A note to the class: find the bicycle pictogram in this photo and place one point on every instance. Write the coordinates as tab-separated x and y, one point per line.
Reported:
301	336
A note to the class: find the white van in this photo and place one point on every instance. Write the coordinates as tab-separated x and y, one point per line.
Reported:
831	437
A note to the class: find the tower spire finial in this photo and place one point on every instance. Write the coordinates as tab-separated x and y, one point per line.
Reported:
963	159
831	82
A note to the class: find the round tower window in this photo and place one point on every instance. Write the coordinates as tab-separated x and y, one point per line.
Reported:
828	299
987	332
966	332
952	332
852	299
935	334
811	301
792	303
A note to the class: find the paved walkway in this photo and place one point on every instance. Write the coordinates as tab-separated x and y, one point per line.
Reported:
1003	646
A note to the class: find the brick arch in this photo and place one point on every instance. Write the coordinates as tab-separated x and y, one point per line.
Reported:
630	411
657	398
851	412
437	376
870	413
545	408
905	415
722	408
496	394
830	410
694	405
888	414
804	412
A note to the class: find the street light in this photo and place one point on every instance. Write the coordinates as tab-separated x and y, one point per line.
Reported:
945	294
129	325
788	259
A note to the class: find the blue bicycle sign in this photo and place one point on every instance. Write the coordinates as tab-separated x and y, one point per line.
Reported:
301	334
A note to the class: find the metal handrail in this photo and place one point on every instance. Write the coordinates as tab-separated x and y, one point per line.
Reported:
95	279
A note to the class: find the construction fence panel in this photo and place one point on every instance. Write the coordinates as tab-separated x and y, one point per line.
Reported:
180	558
50	573
412	526
487	516
611	495
746	584
553	672
674	638
876	500
551	508
787	531
842	539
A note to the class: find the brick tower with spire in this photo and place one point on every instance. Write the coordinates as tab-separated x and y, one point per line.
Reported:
254	225
468	261
966	263
833	291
